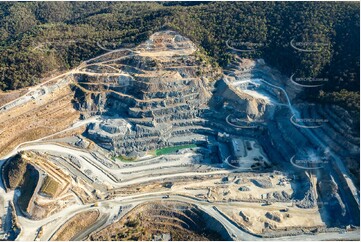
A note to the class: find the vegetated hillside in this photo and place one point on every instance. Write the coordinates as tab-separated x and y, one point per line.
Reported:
59	35
14	171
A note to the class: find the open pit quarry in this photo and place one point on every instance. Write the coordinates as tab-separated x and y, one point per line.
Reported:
154	143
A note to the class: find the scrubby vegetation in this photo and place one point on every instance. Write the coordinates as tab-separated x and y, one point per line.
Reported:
160	221
14	171
39	37
75	225
125	158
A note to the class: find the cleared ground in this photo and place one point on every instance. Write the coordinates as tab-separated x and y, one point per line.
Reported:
37	119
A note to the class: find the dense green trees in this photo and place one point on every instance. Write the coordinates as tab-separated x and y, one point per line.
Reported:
38	37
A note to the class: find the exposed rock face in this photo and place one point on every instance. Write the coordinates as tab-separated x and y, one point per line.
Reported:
158	94
309	201
165	92
330	193
247	106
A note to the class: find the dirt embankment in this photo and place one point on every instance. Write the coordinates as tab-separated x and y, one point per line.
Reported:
76	224
6	97
36	119
161	221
